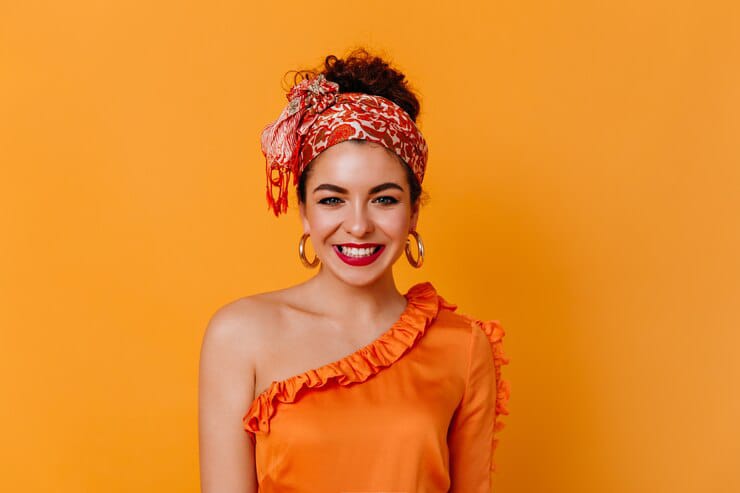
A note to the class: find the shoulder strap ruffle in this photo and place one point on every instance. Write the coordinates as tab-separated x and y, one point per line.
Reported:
495	333
421	310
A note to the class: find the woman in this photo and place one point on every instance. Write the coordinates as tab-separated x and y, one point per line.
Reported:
342	383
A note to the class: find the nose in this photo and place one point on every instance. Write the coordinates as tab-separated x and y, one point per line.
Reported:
358	222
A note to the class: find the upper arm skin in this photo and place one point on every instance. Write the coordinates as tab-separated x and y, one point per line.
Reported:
225	391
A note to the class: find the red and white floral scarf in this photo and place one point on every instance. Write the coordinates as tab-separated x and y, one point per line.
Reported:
319	116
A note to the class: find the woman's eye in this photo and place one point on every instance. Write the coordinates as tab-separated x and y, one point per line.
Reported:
385	200
389	201
324	201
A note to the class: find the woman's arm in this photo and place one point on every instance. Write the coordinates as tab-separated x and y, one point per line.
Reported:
225	391
471	433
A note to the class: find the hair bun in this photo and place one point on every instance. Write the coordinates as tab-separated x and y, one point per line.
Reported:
360	71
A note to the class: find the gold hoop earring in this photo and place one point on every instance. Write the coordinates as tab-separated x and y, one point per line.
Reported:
302	253
420	246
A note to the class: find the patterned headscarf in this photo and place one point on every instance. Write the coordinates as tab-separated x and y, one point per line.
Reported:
319	116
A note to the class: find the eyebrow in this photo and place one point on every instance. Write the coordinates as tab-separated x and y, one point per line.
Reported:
375	189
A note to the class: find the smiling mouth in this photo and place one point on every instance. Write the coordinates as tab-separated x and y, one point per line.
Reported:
373	250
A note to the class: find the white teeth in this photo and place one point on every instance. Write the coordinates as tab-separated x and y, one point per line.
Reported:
357	252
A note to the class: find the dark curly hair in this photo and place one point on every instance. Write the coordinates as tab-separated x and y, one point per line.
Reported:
361	71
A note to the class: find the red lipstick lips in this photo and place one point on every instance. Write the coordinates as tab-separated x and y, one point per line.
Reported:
358	261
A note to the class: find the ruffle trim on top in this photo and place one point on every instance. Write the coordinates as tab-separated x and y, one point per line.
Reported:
421	310
495	333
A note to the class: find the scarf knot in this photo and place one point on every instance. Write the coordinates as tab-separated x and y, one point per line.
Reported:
281	140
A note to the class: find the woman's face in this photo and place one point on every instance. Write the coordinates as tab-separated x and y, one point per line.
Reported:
357	193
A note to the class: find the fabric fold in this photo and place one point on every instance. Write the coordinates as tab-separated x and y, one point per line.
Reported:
495	333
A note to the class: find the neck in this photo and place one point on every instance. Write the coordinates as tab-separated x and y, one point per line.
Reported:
343	300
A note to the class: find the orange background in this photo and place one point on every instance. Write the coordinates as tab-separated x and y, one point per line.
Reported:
584	179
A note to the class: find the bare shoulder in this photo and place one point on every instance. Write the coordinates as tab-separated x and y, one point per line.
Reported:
228	361
244	338
240	325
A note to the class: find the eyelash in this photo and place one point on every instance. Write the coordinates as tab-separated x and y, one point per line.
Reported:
393	200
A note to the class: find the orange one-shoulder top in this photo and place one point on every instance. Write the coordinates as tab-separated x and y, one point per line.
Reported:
416	410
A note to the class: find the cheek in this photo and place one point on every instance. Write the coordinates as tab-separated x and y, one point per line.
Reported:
395	225
322	224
